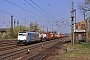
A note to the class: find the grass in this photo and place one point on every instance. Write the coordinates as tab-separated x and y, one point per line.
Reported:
83	50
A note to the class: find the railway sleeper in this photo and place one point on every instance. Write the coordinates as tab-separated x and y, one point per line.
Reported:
46	53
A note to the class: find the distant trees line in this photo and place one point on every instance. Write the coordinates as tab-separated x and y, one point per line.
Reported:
33	27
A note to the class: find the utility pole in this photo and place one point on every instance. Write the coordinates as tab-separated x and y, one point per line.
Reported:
52	28
14	22
47	29
12	25
89	29
17	23
75	26
86	26
86	30
72	24
84	16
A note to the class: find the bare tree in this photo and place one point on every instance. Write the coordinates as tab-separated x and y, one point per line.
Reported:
84	7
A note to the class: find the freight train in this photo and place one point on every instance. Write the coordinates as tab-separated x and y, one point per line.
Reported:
26	37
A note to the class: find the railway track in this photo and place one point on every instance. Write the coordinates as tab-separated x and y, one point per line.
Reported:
7	42
3	45
16	52
33	52
8	47
43	54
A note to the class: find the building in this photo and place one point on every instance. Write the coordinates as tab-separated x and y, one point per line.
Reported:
3	32
80	30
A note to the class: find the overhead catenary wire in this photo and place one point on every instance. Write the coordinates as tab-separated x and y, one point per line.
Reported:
36	9
36	5
40	8
12	14
24	19
56	20
49	10
15	16
21	8
25	9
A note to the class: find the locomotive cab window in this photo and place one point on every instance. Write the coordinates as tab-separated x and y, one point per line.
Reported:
20	34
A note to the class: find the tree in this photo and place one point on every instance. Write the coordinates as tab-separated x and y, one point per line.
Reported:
15	31
31	28
34	27
84	7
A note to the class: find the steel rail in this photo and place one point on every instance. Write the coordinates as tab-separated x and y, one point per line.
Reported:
43	54
12	53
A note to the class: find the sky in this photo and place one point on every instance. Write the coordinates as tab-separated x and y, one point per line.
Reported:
54	14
